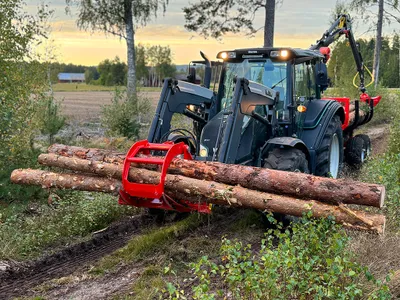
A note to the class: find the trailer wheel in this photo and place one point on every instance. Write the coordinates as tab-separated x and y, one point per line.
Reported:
330	153
357	150
367	144
287	159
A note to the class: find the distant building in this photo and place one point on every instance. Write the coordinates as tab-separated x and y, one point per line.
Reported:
71	77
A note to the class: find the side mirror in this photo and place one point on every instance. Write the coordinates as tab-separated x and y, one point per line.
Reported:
321	76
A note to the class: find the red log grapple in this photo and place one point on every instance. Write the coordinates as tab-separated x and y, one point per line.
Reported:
153	195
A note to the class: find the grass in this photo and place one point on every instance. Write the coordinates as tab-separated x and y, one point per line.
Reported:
27	230
83	87
145	245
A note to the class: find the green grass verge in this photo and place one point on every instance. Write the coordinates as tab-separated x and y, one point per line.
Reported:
26	230
145	245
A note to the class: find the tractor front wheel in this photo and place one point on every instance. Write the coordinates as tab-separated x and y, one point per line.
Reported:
290	160
287	159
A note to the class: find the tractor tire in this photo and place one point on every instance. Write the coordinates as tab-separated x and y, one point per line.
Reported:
287	159
356	150
290	160
330	153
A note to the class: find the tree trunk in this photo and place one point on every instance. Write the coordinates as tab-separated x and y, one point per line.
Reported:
293	184
130	44
378	43
269	23
194	190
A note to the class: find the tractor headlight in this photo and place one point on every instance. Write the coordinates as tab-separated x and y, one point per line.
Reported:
203	151
225	55
280	54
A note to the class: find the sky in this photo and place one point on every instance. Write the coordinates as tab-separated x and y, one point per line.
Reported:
297	24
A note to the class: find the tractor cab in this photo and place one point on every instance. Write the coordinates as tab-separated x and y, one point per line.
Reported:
261	89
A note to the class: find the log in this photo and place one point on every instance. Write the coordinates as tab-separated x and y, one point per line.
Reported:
88	153
48	180
195	190
298	185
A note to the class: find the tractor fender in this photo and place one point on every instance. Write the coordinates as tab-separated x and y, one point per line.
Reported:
319	114
286	142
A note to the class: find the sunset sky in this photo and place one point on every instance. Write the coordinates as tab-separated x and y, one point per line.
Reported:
298	24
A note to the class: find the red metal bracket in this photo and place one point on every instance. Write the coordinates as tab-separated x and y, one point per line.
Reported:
143	190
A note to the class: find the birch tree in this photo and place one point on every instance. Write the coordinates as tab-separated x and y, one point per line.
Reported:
120	18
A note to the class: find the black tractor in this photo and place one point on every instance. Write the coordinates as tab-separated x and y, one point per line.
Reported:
264	108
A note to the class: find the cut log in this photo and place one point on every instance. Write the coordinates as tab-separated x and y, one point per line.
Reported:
297	185
87	153
362	113
48	180
195	190
362	106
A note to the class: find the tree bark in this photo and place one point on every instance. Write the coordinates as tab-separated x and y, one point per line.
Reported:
269	23
293	184
195	190
130	44
378	43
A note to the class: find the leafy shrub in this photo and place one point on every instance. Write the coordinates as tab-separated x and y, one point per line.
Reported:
123	116
310	262
50	120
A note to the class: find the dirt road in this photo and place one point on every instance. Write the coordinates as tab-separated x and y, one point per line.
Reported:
87	105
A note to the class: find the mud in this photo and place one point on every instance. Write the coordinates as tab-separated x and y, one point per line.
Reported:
18	279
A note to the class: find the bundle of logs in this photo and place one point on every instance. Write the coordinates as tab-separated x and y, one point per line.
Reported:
363	109
289	193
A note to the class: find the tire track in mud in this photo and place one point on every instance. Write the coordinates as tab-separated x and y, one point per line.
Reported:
17	280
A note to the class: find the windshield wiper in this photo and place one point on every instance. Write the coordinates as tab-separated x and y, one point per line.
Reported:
278	83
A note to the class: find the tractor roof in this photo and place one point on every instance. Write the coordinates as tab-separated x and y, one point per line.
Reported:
271	52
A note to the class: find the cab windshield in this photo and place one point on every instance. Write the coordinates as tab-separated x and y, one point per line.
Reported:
264	71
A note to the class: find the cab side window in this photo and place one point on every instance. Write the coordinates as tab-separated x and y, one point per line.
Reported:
300	81
304	83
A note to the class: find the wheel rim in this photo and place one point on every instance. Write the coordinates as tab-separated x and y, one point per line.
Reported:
334	156
368	152
363	155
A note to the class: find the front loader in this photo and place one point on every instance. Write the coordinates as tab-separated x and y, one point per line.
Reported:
266	110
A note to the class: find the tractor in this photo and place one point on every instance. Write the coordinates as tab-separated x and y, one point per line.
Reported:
265	109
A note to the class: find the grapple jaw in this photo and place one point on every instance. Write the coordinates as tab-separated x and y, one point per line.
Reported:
153	195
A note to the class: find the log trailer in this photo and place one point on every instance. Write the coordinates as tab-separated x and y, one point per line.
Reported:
265	110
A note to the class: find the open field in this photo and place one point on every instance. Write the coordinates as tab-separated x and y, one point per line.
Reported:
87	105
83	87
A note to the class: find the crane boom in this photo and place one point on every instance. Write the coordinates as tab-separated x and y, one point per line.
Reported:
342	26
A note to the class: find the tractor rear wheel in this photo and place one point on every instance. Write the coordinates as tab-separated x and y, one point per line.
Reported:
330	153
